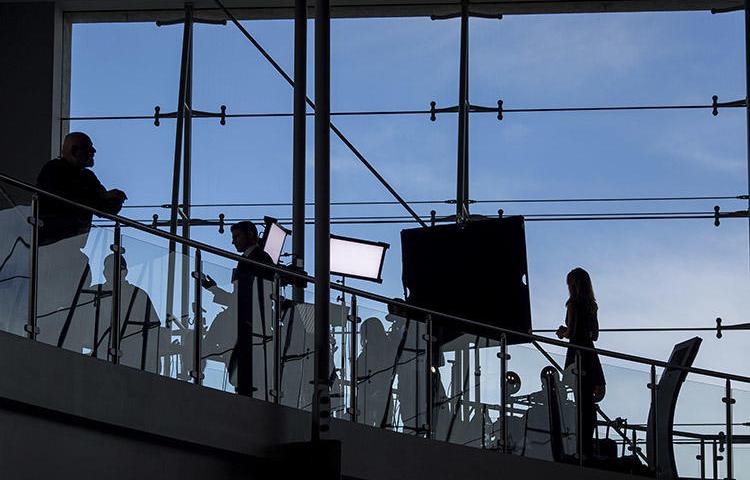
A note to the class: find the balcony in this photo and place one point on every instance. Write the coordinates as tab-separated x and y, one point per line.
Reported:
161	388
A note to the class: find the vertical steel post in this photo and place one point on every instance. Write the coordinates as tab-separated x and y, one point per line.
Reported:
429	377
343	320
729	401
702	458
462	161
417	387
715	461
477	374
197	372
655	423
321	400
187	168
276	338
32	330
747	103
504	391
114	331
300	136
484	426
178	146
579	412
353	362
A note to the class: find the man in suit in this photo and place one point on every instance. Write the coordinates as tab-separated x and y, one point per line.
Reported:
247	290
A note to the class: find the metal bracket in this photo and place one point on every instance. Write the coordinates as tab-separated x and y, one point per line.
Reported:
179	21
718	215
428	338
720	328
28	329
117	249
221	115
480	108
196	376
735	8
434	110
716	104
35	222
221	223
500	356
448	16
276	394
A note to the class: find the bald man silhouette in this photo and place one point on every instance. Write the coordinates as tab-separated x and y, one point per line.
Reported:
69	176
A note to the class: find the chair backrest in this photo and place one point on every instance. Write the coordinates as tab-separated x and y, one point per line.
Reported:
660	449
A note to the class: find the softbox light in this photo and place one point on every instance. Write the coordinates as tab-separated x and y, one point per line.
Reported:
355	258
274	238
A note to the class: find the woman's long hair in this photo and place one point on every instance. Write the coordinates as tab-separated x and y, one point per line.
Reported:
582	295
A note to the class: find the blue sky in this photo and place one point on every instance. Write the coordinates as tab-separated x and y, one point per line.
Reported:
645	273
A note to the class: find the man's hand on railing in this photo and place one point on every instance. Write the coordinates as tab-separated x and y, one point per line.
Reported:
116	195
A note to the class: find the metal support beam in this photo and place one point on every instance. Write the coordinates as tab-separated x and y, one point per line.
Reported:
653	387
462	160
185	64
114	332
747	105
277	306
31	324
187	169
197	372
430	370
729	401
321	400
353	362
504	391
579	411
300	137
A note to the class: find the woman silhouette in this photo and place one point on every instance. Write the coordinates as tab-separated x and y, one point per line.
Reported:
582	329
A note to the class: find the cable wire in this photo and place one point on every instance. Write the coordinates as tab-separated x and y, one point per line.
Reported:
356	113
452	202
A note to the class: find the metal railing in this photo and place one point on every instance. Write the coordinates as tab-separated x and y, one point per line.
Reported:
285	274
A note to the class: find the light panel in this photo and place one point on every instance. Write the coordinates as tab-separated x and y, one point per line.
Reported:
355	258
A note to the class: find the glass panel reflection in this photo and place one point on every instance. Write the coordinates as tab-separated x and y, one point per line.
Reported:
15	237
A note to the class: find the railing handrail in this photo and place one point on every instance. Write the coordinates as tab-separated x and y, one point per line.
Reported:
283	271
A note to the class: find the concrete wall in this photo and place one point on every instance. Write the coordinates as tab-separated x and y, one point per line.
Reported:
32	86
64	415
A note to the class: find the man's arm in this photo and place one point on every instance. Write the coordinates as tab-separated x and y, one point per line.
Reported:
109	201
221	296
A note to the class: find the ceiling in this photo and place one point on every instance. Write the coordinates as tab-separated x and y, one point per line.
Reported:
131	10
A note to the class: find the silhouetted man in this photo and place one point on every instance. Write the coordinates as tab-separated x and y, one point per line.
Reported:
245	240
69	176
139	322
64	271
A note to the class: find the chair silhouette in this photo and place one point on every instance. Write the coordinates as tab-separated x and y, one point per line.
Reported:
660	449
